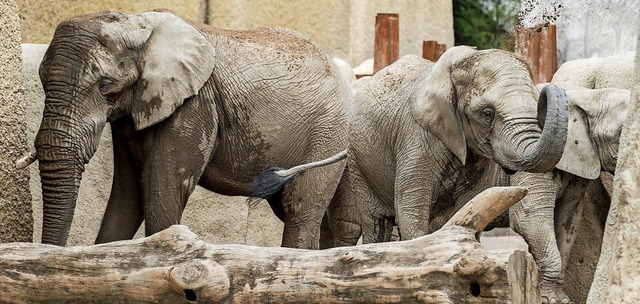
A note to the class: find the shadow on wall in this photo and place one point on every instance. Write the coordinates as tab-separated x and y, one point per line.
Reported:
214	218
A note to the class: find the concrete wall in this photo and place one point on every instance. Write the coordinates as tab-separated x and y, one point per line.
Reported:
215	218
39	18
15	209
344	28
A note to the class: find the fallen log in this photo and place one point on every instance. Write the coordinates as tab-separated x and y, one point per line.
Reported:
174	266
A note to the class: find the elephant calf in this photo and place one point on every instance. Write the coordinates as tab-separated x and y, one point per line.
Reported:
424	136
188	104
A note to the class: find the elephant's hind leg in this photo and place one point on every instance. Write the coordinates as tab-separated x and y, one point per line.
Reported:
304	201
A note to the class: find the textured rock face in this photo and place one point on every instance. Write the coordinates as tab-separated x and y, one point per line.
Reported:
217	219
15	208
344	28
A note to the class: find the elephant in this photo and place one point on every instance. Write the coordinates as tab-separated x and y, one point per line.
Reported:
549	217
188	104
426	136
615	71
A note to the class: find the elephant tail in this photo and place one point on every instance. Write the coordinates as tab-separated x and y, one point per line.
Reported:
274	178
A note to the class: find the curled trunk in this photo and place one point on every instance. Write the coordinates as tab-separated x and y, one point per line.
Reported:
541	153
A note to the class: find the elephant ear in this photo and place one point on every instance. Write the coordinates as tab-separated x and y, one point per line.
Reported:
595	121
434	105
580	156
175	64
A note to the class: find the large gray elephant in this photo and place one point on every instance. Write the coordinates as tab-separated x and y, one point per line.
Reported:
425	137
548	218
188	105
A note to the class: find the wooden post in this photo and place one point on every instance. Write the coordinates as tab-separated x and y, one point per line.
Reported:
440	49
429	50
538	47
523	278
386	41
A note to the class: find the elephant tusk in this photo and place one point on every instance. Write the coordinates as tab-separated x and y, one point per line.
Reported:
28	159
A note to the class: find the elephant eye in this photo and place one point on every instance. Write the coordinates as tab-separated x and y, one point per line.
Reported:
105	85
487	114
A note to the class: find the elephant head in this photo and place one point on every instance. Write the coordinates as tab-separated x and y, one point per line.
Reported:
99	68
486	102
596	118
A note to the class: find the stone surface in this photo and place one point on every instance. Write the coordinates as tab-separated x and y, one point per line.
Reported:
39	18
15	208
215	218
618	269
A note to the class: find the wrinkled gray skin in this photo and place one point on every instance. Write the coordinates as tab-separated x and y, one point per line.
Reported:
549	216
187	105
426	137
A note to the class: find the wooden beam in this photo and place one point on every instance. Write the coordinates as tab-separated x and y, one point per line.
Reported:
386	41
440	49
538	47
429	50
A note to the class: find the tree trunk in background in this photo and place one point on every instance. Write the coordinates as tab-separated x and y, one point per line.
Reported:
16	220
616	278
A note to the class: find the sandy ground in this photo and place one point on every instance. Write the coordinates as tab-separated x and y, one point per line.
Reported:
503	240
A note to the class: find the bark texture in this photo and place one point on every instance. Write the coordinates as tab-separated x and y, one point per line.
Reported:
174	266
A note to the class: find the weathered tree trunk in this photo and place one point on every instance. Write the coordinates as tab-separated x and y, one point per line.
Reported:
174	266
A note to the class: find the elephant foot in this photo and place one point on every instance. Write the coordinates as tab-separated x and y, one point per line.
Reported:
553	294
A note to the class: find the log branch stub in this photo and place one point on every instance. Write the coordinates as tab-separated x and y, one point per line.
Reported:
486	206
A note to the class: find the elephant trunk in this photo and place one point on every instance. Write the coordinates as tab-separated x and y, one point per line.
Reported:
543	154
60	184
62	154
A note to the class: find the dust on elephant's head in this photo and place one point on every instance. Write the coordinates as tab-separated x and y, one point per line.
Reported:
100	68
486	102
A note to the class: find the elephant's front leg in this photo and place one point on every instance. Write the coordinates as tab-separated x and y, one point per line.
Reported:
342	224
124	214
178	149
413	195
568	217
533	218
